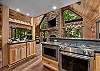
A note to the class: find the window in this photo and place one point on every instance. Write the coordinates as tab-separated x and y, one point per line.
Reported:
72	32
20	33
44	24
70	16
13	33
72	24
43	35
43	32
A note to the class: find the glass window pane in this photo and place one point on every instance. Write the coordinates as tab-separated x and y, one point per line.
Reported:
17	33
13	33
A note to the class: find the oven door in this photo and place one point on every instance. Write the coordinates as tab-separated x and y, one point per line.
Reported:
50	52
75	62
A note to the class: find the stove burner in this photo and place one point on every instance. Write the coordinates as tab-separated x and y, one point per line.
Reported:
86	51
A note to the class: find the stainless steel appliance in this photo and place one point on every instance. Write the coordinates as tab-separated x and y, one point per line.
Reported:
50	51
76	58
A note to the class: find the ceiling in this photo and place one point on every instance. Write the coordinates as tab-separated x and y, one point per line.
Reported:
36	7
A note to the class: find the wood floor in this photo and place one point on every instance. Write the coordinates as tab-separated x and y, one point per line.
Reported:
40	67
32	67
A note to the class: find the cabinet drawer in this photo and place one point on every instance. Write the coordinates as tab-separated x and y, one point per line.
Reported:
50	63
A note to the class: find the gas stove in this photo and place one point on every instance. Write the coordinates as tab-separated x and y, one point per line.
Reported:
82	50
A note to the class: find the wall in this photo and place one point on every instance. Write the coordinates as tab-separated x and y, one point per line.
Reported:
55	30
37	21
89	10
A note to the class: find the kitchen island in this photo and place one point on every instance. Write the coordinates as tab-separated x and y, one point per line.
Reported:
83	54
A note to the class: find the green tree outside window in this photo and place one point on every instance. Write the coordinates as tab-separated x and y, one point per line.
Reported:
69	16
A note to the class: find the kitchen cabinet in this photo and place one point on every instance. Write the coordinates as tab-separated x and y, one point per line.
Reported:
17	52
97	61
50	63
20	51
30	49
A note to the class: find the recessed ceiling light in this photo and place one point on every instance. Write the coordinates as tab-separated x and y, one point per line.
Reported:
18	10
54	7
27	14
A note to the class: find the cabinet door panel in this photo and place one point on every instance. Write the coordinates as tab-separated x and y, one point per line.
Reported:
31	48
18	54
98	62
23	53
12	55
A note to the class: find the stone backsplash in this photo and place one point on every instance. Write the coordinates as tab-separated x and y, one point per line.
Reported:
54	30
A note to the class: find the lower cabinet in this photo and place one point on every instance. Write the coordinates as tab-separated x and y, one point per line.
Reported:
17	52
97	61
23	51
12	56
18	55
30	49
50	63
20	51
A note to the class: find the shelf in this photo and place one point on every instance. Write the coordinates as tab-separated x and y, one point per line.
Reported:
49	29
44	29
20	23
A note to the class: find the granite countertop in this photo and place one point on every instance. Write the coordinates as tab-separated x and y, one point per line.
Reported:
95	48
78	39
51	43
19	42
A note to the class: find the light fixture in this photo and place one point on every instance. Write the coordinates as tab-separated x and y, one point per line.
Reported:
27	14
54	7
18	10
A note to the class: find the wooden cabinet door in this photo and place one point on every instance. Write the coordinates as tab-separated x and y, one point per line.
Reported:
98	62
12	54
18	54
30	48
20	51
23	50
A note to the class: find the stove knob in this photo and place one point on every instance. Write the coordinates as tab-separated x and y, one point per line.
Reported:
84	52
89	53
61	48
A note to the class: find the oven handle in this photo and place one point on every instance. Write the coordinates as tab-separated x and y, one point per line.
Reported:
76	56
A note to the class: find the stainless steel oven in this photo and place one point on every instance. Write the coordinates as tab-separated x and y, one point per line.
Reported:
50	51
75	62
76	59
